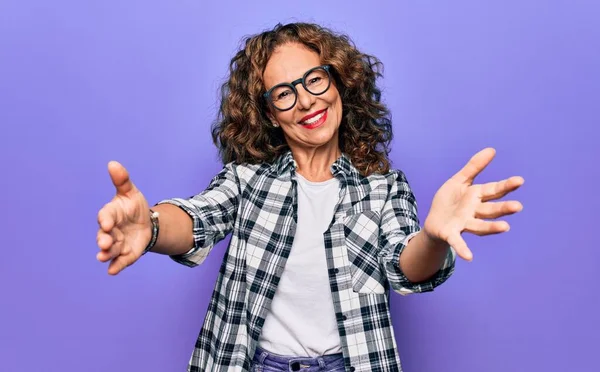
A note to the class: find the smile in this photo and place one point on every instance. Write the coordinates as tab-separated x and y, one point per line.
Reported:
314	120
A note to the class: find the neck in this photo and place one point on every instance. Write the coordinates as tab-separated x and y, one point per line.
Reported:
315	164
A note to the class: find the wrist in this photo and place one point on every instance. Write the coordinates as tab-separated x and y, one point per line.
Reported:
154	229
431	239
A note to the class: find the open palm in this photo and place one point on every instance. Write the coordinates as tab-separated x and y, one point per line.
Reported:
462	206
125	227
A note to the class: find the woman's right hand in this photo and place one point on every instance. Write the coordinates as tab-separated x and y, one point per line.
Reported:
125	226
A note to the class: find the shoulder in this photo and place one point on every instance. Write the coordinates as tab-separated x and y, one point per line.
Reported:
249	174
245	171
391	186
392	179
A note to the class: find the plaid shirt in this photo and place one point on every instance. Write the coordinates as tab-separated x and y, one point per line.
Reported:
374	218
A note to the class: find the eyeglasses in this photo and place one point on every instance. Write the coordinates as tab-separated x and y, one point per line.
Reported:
284	96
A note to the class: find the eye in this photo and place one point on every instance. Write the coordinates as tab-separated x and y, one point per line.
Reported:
283	95
316	77
282	92
314	80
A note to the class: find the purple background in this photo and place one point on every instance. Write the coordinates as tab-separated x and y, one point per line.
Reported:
85	82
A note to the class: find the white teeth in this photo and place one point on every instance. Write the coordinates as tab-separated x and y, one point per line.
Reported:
314	119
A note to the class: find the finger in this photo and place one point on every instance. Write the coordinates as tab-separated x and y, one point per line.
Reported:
104	240
460	247
481	227
107	217
475	165
490	210
104	256
112	252
496	190
119	264
120	178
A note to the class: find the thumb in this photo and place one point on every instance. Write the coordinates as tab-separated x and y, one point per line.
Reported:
120	178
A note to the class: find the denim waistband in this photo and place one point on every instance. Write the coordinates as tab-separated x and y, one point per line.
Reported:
295	363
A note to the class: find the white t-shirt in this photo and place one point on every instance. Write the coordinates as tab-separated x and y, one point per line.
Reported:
302	318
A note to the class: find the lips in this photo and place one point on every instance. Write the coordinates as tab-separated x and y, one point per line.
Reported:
310	116
314	120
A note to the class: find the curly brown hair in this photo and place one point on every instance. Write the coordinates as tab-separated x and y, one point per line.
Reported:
242	131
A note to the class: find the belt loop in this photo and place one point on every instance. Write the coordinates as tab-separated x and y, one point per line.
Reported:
263	355
322	363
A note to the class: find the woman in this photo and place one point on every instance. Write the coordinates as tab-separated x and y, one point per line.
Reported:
321	227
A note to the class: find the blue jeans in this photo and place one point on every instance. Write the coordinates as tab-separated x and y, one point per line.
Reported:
265	361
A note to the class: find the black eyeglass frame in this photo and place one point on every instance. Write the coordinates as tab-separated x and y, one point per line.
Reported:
292	85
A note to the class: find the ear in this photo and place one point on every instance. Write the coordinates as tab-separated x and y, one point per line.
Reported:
272	119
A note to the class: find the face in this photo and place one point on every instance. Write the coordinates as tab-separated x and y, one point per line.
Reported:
313	122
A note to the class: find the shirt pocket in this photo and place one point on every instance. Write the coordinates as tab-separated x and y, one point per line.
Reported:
361	232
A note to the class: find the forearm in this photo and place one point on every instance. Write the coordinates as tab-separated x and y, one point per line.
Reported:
422	257
175	234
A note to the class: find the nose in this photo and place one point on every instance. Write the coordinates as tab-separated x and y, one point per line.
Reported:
305	99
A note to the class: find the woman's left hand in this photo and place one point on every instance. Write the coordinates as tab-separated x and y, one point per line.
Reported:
459	205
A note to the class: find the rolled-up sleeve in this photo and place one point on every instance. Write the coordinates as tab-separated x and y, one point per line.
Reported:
399	223
213	213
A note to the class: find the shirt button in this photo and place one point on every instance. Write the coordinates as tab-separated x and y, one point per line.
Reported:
344	317
352	369
336	270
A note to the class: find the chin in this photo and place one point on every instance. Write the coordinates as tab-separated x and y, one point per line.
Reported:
324	137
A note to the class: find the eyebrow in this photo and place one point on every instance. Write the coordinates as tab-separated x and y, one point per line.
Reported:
300	78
